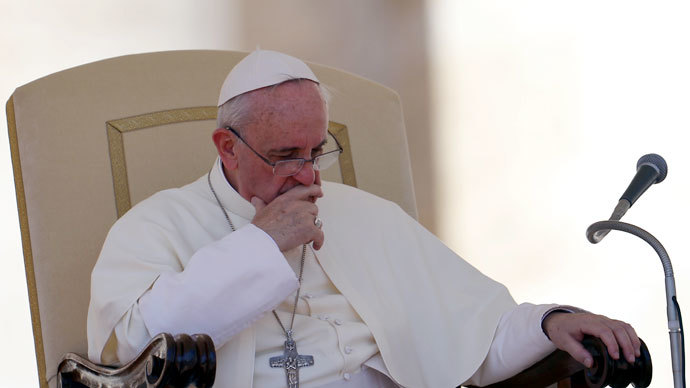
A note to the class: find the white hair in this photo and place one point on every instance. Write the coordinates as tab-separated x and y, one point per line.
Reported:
237	111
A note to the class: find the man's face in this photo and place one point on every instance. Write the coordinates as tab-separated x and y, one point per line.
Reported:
288	121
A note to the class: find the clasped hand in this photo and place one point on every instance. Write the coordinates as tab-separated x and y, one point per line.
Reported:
567	331
289	218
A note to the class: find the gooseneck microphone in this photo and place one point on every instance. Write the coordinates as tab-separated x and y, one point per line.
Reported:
651	169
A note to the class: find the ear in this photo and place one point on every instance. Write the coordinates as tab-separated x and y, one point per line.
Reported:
225	143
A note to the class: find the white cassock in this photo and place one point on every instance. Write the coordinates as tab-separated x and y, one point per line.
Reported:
383	294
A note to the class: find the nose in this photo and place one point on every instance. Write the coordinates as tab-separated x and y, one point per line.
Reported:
306	175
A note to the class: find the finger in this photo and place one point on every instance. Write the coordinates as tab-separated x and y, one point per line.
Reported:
637	344
577	351
605	334
624	342
303	193
313	210
258	203
307	211
318	241
634	339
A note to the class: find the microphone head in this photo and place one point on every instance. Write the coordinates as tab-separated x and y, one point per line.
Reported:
657	162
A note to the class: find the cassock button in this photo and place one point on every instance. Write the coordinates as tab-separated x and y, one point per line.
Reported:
347	376
348	350
308	296
338	322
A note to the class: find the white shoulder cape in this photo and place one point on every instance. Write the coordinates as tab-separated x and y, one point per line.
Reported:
433	315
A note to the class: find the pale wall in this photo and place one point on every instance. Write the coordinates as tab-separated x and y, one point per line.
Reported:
542	109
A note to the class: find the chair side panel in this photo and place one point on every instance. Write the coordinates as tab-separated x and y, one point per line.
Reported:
26	241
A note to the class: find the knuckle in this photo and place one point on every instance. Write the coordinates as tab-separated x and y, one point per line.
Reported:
609	335
629	328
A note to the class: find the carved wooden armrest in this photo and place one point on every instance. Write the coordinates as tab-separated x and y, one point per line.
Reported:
559	367
165	362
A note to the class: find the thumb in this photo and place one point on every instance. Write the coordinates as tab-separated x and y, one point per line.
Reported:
258	203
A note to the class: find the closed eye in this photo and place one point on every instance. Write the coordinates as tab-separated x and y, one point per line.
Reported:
316	152
290	155
294	153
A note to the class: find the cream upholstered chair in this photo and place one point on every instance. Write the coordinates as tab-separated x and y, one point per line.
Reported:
89	142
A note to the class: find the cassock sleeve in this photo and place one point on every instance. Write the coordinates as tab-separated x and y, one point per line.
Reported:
213	295
519	342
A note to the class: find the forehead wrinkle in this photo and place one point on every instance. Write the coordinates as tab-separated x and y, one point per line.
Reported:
279	113
270	111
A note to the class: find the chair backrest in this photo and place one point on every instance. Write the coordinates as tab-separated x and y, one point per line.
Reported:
89	142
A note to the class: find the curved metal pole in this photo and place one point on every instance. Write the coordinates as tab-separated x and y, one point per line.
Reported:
673	323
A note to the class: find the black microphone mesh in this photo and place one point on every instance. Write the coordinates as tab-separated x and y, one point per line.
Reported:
658	162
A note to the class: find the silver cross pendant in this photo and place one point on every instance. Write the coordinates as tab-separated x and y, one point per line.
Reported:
291	361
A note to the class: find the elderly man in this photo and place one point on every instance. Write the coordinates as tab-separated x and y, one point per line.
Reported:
304	282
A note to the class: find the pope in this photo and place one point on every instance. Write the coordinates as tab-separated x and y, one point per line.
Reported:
302	282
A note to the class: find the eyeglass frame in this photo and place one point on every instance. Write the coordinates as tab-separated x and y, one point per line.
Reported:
304	161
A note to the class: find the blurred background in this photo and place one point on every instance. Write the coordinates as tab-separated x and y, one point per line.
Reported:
525	120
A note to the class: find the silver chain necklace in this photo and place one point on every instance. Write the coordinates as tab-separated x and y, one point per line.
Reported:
291	360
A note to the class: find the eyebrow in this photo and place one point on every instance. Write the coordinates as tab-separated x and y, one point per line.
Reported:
292	149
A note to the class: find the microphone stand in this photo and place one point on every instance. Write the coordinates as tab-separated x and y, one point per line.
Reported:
596	233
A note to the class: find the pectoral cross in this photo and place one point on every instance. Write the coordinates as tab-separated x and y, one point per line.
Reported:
291	361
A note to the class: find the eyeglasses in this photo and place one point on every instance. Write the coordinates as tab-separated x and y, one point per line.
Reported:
289	167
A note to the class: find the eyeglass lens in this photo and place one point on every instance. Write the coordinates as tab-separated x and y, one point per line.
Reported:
293	166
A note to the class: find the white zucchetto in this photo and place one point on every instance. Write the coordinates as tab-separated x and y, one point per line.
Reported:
262	68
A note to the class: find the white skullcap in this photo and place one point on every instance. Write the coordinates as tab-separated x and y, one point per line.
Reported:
262	68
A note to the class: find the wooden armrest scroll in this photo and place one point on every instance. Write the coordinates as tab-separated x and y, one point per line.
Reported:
181	361
559	367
